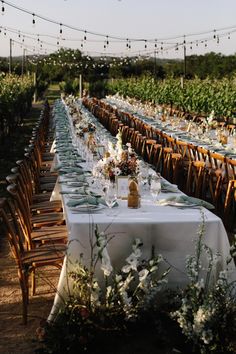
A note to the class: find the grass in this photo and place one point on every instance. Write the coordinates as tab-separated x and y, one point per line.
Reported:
53	93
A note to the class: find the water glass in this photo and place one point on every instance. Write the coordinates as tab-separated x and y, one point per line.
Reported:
110	194
155	187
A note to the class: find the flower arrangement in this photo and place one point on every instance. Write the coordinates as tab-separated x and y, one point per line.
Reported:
207	311
97	310
131	306
118	161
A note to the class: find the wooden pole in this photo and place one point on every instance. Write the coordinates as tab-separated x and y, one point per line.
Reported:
23	62
10	57
80	86
185	62
35	88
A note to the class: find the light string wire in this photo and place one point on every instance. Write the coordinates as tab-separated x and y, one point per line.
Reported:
137	52
214	31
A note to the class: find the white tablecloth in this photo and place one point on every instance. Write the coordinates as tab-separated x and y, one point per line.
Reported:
168	230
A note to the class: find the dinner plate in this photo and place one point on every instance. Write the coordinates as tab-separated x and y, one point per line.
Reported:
75	184
87	208
180	205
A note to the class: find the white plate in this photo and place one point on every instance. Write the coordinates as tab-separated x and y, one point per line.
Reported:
87	208
76	196
180	205
75	184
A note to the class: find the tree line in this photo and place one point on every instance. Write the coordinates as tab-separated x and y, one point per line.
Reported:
65	66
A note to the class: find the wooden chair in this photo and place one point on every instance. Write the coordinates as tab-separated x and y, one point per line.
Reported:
231	128
137	141
156	157
41	181
229	215
147	148
165	165
203	154
125	134
196	185
176	169
28	179
28	261
192	152
38	207
183	150
37	220
218	179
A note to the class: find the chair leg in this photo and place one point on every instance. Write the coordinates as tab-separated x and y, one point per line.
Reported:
25	300
33	283
230	206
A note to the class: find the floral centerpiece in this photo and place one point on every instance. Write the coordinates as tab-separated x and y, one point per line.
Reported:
118	161
207	311
107	308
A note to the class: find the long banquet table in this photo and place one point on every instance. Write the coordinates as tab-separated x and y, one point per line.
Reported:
166	230
208	140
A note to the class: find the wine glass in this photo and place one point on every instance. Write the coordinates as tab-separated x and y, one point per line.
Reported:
143	177
155	187
110	195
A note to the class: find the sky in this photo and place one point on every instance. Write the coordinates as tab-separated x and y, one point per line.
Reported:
158	20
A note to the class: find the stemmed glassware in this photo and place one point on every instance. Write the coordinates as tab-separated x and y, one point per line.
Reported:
110	195
155	187
143	177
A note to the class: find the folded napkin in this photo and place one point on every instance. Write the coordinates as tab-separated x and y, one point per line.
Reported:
81	190
74	184
71	169
80	178
90	200
103	202
167	187
187	201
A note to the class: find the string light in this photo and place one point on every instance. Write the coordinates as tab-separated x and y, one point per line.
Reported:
33	20
3	8
111	36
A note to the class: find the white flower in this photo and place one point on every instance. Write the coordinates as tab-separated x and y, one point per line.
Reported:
125	284
106	266
132	263
118	278
108	291
200	315
117	171
143	275
207	336
223	275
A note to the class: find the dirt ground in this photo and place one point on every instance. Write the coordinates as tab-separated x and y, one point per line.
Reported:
14	336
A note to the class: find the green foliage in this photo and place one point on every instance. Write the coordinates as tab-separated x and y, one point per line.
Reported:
98	88
198	96
15	100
